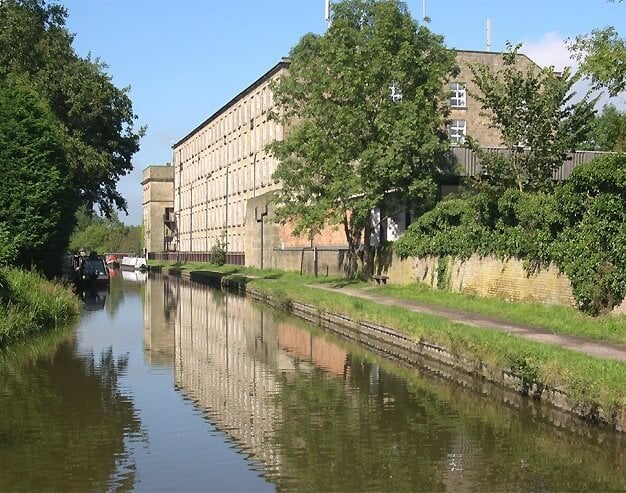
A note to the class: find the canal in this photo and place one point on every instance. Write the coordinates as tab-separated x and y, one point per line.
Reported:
166	385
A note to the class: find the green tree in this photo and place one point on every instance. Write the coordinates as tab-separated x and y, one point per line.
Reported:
608	131
533	111
102	234
36	199
603	58
364	109
99	119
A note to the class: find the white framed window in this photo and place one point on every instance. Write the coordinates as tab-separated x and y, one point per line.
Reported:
458	95
457	131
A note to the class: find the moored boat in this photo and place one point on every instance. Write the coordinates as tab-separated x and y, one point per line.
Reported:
91	270
134	263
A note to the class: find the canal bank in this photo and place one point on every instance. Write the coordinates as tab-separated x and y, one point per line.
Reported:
590	388
31	305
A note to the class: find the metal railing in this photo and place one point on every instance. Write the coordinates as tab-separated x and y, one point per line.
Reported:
232	258
468	162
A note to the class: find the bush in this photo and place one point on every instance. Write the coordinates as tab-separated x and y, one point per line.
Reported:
581	227
218	251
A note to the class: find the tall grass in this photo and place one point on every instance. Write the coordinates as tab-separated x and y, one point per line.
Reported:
30	305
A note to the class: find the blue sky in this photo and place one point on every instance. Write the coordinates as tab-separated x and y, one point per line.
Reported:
185	58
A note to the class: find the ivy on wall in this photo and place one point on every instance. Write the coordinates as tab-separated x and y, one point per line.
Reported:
580	227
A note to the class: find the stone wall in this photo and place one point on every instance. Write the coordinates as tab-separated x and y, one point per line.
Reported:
489	277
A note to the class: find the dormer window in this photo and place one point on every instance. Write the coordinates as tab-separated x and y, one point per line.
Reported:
458	95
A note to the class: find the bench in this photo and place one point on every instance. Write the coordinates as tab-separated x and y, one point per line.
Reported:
380	279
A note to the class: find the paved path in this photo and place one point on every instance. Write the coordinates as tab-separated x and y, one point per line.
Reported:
584	345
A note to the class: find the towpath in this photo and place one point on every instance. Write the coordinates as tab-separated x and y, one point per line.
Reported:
598	349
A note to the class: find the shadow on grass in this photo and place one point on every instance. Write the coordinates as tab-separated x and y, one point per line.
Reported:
341	283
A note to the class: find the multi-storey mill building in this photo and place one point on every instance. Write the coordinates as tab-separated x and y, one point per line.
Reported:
222	164
222	177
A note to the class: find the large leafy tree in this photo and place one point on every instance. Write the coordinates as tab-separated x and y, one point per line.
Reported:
602	54
364	109
532	109
97	116
102	234
608	131
36	198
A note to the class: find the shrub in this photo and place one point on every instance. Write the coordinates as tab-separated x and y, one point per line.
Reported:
581	227
218	251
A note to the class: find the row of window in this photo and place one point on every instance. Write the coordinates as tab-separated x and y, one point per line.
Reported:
239	180
242	114
238	147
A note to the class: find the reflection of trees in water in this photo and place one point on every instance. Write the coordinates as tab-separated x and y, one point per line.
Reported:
63	421
119	290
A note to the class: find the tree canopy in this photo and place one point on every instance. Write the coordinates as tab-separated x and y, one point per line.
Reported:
533	111
102	234
602	54
364	109
608	131
97	116
36	199
67	134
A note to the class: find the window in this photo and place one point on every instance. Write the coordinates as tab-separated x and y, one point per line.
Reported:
458	95
457	131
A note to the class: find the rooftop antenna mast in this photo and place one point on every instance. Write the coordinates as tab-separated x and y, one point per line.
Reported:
327	12
424	10
489	34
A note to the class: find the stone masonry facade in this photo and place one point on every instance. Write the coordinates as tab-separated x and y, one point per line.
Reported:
158	197
221	165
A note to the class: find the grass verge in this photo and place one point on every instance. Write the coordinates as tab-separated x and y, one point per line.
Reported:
31	305
560	319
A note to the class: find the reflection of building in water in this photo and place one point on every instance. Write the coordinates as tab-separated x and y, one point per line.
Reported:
159	316
321	352
134	276
226	360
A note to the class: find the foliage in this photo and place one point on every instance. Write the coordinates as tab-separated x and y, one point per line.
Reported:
603	57
36	198
101	234
608	131
218	251
8	248
98	117
581	227
539	124
31	305
348	141
591	249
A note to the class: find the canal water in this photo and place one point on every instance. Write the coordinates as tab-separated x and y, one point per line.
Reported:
166	385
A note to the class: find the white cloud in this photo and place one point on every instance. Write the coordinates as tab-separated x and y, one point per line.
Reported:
549	50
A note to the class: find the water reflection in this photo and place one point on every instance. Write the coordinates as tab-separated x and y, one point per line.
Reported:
94	299
159	315
63	420
315	413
